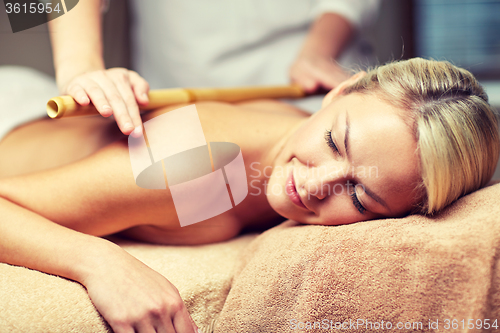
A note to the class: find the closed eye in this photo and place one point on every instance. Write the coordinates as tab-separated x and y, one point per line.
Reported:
329	141
353	195
357	203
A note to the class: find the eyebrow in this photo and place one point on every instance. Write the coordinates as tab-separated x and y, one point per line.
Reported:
346	136
372	194
375	197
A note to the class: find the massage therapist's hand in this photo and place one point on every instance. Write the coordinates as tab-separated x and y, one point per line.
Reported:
134	298
313	72
115	91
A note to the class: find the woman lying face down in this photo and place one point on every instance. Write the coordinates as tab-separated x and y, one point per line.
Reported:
411	136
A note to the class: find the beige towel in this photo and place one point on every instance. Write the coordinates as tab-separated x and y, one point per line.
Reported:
434	271
33	302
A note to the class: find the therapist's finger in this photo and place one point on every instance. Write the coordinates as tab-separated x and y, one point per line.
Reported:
329	75
79	95
128	97
96	94
310	83
307	81
118	106
140	87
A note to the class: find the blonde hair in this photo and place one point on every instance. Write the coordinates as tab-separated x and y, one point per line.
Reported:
455	127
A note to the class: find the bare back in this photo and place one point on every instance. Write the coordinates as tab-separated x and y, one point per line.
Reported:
82	149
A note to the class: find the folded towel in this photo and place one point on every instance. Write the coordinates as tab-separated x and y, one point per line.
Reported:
399	272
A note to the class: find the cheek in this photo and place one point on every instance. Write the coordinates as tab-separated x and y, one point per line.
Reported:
339	218
309	146
275	188
338	210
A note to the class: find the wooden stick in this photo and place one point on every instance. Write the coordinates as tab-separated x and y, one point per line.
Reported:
65	106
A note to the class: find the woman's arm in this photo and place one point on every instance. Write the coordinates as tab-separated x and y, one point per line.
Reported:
315	65
80	70
128	294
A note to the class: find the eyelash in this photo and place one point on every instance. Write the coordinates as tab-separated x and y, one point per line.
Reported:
354	197
329	141
357	203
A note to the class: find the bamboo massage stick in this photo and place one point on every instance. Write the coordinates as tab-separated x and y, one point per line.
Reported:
65	106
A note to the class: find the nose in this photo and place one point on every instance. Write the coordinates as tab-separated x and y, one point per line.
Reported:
323	181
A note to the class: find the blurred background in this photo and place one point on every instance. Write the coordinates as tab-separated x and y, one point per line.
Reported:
465	32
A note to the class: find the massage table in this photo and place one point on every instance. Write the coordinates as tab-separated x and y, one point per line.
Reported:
428	274
441	270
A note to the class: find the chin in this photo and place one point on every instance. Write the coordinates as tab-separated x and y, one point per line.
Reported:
280	206
276	204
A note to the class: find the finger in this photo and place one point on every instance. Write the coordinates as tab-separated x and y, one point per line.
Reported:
140	87
122	329
329	75
307	82
78	94
164	325
145	327
195	327
118	106
160	328
301	74
97	96
128	96
183	322
162	321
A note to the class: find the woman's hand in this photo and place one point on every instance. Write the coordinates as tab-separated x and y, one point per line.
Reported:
312	72
115	91
134	298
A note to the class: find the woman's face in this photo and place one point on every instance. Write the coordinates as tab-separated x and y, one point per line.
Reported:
354	160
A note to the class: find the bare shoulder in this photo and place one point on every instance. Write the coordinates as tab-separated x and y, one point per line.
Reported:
47	143
273	106
249	124
255	109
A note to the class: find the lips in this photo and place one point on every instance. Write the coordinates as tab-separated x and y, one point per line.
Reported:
291	191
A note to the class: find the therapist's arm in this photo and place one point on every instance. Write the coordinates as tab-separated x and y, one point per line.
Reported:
315	65
80	70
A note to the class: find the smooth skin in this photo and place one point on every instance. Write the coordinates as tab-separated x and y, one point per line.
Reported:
81	73
64	183
380	166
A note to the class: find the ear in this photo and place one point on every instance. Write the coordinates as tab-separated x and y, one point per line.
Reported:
337	91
